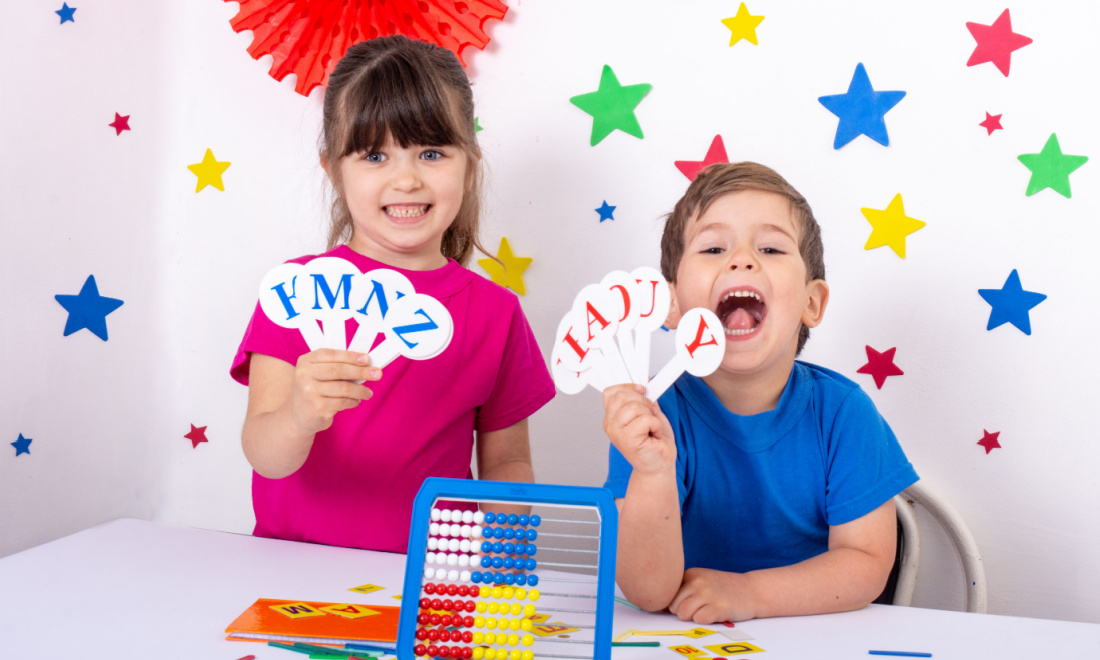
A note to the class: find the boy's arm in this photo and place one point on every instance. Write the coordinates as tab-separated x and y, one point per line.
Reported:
650	561
848	576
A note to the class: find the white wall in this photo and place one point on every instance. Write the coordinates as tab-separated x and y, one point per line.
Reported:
107	419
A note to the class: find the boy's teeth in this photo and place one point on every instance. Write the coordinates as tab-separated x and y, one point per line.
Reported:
736	333
407	212
741	294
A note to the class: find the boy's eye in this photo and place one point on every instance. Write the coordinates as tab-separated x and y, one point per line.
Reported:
374	157
432	154
713	250
770	250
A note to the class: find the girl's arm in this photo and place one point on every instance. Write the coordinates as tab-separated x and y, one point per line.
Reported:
288	405
505	454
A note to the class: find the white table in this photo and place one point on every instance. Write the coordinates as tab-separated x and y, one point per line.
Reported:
137	589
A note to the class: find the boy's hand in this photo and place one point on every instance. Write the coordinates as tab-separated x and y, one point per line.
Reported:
325	382
638	429
709	596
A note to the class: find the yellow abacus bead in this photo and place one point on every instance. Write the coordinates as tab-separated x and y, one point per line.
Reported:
479	638
501	654
497	592
508	592
485	591
502	623
526	625
490	623
533	594
513	639
478	653
515	654
528	640
528	655
479	622
521	594
490	638
494	608
489	654
529	610
481	607
517	609
514	624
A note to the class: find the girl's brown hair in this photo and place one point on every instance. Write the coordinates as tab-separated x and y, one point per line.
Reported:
418	94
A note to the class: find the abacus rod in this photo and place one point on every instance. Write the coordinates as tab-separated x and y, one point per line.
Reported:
576	522
556	549
556	655
554	579
550	563
556	609
547	593
570	536
566	641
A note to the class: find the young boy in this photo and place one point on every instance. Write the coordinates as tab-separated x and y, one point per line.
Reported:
765	488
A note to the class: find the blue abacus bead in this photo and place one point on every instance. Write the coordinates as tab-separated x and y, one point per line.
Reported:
509	563
498	562
487	532
535	520
475	577
508	548
521	579
513	519
486	546
523	519
531	564
498	547
509	533
509	579
498	578
486	562
532	535
521	548
521	534
490	518
532	580
531	549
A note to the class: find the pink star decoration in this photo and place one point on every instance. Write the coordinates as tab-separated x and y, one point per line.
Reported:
996	42
716	154
992	123
120	123
196	435
880	365
989	441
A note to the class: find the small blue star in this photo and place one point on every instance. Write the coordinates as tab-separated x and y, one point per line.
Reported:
88	309
66	13
1011	304
862	110
22	445
606	211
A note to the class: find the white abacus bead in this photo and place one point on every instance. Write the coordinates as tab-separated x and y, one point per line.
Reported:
446	515
445	529
436	514
452	560
429	573
464	576
475	559
464	560
475	532
465	531
430	557
452	576
454	545
467	517
479	517
464	545
433	543
441	574
433	529
456	515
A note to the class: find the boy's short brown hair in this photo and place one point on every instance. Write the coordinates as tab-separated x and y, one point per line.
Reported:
724	179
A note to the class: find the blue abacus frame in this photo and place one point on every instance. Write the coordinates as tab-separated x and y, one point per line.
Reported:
435	488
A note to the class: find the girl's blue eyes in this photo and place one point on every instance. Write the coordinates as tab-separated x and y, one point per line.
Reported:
765	250
430	154
375	158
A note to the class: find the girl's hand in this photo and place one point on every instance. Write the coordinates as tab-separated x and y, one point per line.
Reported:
326	382
638	429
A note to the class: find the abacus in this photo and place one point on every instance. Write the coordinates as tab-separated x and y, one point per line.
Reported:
467	564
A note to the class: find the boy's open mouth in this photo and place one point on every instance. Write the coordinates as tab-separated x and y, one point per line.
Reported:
741	312
406	210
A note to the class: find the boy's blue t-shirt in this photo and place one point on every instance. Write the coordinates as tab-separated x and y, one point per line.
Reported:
761	491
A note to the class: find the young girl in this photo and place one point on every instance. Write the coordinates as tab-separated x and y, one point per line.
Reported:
337	462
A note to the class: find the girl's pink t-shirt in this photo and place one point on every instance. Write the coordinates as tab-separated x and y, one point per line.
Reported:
356	488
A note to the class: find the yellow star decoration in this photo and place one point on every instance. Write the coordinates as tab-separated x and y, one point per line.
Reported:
511	273
743	25
890	226
209	172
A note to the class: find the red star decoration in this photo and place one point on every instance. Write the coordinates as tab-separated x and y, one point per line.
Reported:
996	42
992	123
120	123
716	154
197	435
989	441
880	365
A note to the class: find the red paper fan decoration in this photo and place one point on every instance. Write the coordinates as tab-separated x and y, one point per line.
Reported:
308	37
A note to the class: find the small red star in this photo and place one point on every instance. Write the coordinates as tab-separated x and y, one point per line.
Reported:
120	123
996	42
989	441
992	123
197	435
716	154
880	365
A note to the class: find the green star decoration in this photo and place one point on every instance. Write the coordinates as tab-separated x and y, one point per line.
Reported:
612	106
477	125
1050	168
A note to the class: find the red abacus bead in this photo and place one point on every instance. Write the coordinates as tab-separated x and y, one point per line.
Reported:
467	636
444	652
433	635
446	605
444	635
425	603
423	619
468	621
434	619
420	650
429	588
421	634
471	606
437	604
433	650
452	589
467	653
445	620
463	590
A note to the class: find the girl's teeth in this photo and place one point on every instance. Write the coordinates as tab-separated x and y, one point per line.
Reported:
408	212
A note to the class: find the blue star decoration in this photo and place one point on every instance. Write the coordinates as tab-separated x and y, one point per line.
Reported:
66	13
22	445
1011	303
88	309
606	211
862	110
